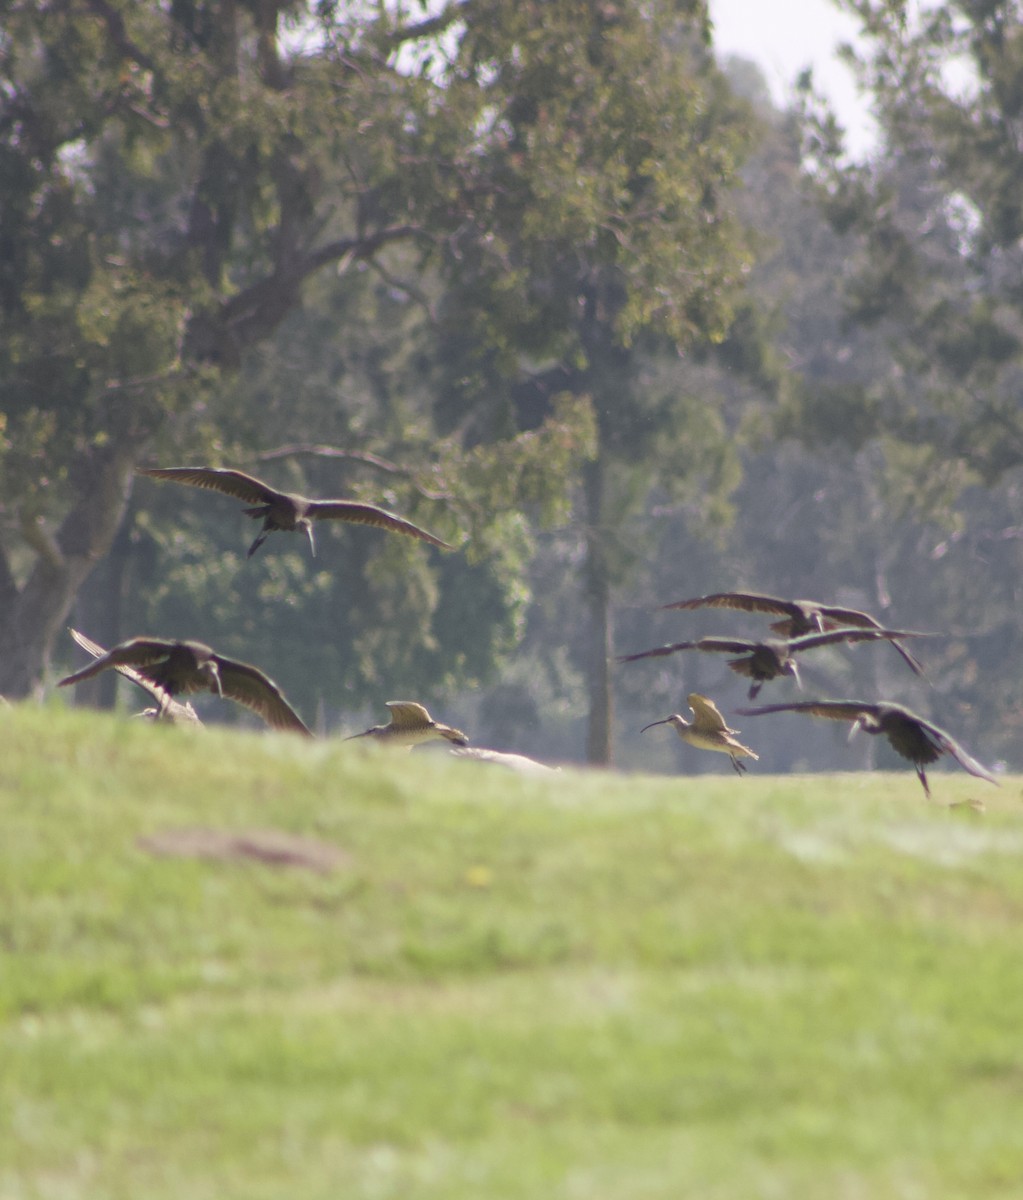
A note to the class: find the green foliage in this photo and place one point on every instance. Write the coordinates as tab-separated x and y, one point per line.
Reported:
934	223
501	189
521	987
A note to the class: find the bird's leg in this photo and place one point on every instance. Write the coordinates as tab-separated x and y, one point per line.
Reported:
755	687
309	535
739	766
922	776
260	510
264	533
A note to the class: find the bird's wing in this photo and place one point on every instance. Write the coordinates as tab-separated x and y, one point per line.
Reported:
810	640
708	715
214	479
951	746
913	663
720	645
453	735
657	652
835	710
249	686
87	644
746	601
407	715
161	695
370	514
137	652
846	616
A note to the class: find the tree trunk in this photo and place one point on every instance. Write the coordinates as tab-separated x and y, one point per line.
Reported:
599	749
99	611
34	613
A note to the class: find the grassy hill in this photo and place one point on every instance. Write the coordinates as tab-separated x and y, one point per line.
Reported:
592	985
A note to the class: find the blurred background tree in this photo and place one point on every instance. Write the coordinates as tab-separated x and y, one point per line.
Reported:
493	196
549	281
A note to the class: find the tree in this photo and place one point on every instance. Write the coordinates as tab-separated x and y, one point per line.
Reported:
936	227
175	176
635	258
162	206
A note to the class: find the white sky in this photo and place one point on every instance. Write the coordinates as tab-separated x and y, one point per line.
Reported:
784	36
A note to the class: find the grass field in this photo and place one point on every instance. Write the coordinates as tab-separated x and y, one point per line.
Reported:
588	986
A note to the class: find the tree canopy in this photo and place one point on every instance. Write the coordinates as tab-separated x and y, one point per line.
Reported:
935	220
191	191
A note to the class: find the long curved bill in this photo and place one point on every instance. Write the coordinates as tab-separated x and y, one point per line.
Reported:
653	723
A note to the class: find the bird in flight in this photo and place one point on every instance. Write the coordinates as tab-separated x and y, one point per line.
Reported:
773	658
909	735
799	616
287	511
409	725
708	731
167	708
180	668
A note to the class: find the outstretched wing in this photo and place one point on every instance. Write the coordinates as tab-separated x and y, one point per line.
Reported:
249	686
859	634
746	601
214	479
913	663
171	708
720	645
658	652
810	640
836	614
370	514
948	743
408	716
834	710
96	650
87	644
137	652
708	715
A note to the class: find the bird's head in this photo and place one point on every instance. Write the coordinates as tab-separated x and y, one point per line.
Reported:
676	720
212	672
857	725
867	722
306	525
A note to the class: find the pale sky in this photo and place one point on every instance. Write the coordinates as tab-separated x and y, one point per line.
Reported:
784	36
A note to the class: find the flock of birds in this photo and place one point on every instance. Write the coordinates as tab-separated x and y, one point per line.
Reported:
169	669
805	625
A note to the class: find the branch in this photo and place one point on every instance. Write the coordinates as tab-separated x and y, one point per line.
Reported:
8	584
431	25
258	309
409	289
361	247
42	542
117	33
363	456
146	382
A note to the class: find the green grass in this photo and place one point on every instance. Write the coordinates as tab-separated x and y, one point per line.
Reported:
592	986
